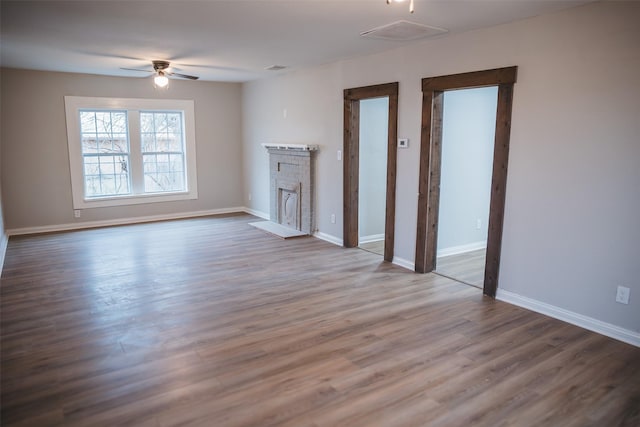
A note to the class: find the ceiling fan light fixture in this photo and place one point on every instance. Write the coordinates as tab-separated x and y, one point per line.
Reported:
160	80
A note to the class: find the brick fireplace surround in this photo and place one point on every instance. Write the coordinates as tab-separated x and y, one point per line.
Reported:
291	175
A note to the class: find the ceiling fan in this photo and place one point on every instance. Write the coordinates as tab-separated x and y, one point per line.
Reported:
160	69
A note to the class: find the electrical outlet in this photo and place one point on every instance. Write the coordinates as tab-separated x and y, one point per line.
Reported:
339	155
77	213
622	295
333	218
478	224
249	196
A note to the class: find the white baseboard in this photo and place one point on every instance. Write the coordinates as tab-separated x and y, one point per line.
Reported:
259	214
400	262
455	250
4	242
120	221
404	263
328	238
371	238
607	329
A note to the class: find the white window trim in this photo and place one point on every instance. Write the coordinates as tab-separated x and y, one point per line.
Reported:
73	105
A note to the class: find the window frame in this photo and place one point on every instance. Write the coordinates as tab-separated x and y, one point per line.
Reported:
133	106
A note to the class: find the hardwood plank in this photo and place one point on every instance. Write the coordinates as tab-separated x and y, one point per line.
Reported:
210	321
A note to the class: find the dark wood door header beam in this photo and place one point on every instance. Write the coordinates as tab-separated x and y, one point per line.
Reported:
493	77
375	91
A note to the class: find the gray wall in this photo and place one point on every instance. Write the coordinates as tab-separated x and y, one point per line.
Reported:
372	191
36	186
572	205
468	132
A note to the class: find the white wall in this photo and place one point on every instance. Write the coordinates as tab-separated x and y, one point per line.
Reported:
372	190
571	223
36	186
468	132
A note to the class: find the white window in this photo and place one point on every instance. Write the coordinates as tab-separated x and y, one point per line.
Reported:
130	151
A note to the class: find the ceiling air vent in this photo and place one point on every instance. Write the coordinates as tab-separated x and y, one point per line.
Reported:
402	31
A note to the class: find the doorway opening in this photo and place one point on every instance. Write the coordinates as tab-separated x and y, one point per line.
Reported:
372	176
369	175
468	132
433	90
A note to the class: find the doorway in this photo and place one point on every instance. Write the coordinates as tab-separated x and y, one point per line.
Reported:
358	167
433	89
468	132
372	176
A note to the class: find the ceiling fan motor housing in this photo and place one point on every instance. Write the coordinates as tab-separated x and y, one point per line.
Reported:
160	65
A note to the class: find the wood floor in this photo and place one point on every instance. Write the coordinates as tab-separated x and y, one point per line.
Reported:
212	322
467	267
376	247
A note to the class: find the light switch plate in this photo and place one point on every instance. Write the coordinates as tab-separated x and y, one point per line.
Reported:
403	143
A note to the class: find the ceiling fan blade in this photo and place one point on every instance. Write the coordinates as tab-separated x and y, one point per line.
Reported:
182	76
137	69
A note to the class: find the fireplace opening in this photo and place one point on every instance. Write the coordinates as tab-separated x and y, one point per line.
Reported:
289	205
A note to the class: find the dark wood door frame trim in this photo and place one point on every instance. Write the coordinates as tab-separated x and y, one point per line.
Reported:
433	89
352	98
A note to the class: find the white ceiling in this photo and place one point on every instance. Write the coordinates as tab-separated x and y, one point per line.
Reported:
225	40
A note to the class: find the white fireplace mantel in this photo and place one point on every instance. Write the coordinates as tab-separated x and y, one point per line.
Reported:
296	147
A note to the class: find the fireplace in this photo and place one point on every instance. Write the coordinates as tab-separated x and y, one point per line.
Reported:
291	176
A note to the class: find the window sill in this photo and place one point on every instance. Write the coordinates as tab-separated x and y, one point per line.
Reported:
137	199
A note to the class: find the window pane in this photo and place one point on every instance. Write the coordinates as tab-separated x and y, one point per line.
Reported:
163	152
118	122
174	121
148	142
163	182
103	134
104	143
120	143
160	122
87	122
175	144
106	175
163	173
89	144
149	162
103	121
